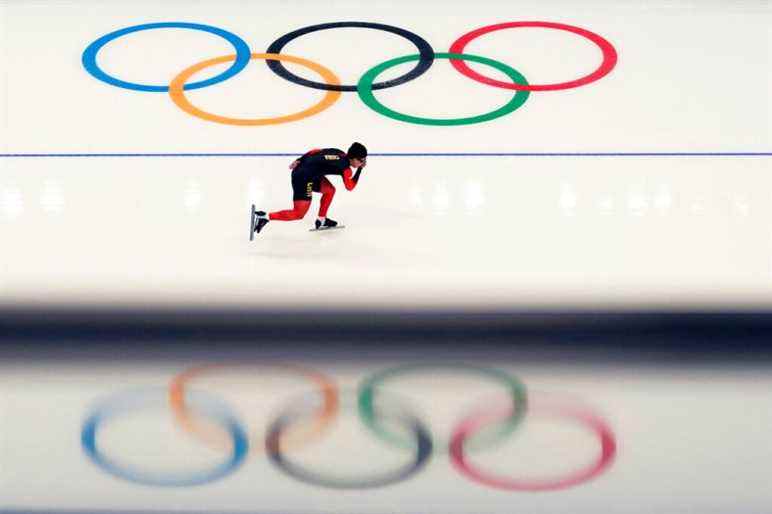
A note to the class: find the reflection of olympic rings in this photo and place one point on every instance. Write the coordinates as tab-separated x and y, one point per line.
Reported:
370	388
323	415
425	51
365	85
178	96
422	449
131	401
581	415
214	422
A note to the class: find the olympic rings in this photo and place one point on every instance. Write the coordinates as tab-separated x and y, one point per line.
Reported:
301	421
323	415
366	84
422	449
90	55
609	56
583	416
370	386
425	51
134	400
178	96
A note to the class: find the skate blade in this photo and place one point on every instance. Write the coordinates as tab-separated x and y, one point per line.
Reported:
252	223
322	229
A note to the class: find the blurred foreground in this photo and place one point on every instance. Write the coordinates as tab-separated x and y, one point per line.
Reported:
433	414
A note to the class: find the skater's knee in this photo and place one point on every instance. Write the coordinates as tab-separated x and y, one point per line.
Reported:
327	188
301	208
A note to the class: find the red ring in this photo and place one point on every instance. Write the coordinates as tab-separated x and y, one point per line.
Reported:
477	421
609	56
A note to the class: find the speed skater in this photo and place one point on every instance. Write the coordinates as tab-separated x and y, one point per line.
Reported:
309	175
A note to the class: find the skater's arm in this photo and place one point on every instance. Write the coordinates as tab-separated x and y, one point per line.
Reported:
350	181
356	175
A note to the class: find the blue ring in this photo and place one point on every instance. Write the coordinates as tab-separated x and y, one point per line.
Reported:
243	55
134	399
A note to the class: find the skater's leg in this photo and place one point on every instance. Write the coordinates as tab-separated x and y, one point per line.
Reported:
302	187
328	192
297	212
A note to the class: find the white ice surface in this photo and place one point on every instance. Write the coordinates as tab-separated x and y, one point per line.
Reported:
483	232
487	232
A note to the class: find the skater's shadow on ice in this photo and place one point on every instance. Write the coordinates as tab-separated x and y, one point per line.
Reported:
333	248
386	238
322	248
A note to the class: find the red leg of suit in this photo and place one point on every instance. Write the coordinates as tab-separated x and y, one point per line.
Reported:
328	192
296	213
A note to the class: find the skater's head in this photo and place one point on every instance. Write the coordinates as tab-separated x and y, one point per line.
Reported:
357	154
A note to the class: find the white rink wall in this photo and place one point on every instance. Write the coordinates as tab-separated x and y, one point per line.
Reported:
688	440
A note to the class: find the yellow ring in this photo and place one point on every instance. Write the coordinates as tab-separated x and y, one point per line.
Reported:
324	415
177	92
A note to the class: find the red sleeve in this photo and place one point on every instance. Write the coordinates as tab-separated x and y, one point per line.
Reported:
348	179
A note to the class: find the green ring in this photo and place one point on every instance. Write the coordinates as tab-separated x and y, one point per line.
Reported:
365	90
515	388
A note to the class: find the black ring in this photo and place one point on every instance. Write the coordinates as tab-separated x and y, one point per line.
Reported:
423	451
424	49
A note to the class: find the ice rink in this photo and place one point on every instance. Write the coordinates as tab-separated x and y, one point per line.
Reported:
593	156
519	210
